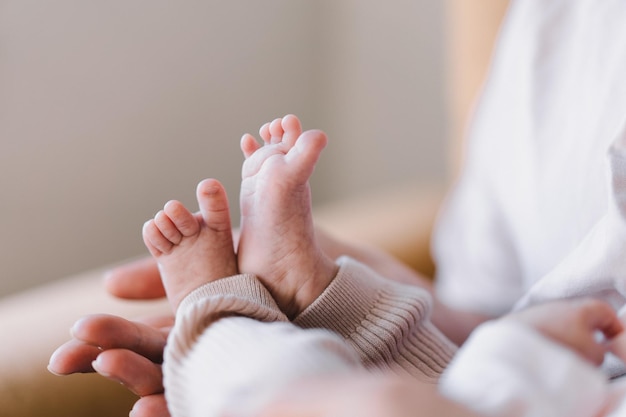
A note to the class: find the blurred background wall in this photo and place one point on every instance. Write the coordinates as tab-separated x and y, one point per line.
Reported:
109	109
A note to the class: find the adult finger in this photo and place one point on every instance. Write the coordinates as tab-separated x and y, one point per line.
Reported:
136	280
111	332
135	372
73	357
163	323
150	406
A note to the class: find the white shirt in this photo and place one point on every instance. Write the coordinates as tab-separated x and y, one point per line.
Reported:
533	215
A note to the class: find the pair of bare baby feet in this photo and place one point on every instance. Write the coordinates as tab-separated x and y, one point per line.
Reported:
277	240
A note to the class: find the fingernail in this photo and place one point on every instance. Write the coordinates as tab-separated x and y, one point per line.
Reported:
133	412
76	327
97	366
49	367
52	371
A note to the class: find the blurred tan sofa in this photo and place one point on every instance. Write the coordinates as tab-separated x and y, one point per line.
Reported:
398	220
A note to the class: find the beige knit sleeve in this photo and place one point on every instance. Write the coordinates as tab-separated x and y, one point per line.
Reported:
387	323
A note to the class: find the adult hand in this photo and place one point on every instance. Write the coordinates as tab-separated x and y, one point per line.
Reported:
128	352
575	324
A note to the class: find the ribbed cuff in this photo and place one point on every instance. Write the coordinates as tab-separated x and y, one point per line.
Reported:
244	286
239	295
386	322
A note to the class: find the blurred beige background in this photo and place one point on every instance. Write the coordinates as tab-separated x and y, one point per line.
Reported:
108	109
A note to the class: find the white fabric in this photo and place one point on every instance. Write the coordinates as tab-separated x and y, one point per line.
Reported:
238	365
510	370
535	214
598	264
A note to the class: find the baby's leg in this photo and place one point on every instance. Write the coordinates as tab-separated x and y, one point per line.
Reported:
277	241
192	249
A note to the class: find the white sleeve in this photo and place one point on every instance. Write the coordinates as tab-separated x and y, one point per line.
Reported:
534	183
477	265
474	244
595	267
506	369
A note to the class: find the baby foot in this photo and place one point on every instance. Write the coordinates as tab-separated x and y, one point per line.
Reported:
277	241
192	249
